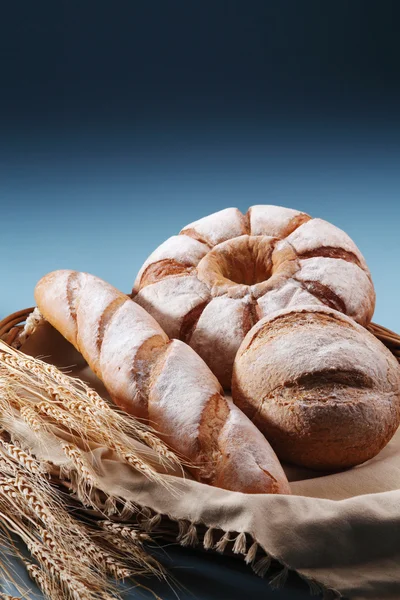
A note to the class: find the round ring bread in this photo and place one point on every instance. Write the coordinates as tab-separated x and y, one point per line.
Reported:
323	390
210	284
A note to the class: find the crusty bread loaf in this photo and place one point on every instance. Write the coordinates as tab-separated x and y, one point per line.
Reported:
161	380
211	283
323	390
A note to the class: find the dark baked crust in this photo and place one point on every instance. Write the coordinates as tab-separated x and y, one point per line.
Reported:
322	389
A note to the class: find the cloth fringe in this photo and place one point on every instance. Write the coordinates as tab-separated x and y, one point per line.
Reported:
208	541
261	567
251	554
154	521
239	547
128	510
110	506
183	529
316	589
222	543
188	536
280	579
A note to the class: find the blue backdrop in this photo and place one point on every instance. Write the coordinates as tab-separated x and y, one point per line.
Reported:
122	122
100	200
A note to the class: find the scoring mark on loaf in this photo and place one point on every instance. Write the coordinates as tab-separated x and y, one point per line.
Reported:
250	315
161	269
73	289
106	317
341	376
294	224
283	324
247	223
147	364
325	294
190	320
331	252
196	236
214	416
274	482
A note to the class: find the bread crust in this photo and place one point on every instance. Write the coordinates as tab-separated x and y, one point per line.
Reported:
322	389
268	259
160	380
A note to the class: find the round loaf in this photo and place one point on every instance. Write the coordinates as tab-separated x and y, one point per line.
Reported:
211	283
323	390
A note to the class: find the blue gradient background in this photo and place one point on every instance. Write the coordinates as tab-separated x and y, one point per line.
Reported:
120	122
100	201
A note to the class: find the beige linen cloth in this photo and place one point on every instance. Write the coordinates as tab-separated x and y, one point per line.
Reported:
339	530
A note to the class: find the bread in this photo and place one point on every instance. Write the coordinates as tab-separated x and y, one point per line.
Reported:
160	380
322	389
211	283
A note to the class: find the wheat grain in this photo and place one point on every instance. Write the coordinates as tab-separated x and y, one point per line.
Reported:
90	552
60	416
156	444
125	531
135	555
134	552
101	423
33	499
56	569
47	585
10	495
133	460
77	458
23	458
31	418
78	583
70	564
6	467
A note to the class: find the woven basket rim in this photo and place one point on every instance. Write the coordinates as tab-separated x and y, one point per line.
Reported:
12	324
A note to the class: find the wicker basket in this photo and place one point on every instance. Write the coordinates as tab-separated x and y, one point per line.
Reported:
11	326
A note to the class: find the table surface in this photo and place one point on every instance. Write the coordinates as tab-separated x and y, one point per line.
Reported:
196	575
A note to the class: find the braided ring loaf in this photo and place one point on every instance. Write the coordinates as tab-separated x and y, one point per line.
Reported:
211	283
323	390
160	380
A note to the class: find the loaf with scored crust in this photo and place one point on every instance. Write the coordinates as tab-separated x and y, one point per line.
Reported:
322	389
211	283
162	381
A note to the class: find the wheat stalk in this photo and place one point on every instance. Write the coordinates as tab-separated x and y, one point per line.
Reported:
56	569
77	458
31	418
125	531
47	585
70	403
71	559
25	459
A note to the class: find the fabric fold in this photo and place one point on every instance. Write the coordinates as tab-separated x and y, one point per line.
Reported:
339	531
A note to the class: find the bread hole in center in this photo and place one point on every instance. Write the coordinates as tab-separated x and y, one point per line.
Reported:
245	260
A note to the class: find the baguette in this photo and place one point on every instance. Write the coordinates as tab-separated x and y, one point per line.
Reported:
161	381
